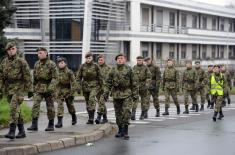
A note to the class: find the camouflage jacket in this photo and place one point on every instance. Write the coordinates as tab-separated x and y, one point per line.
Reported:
228	79
15	75
66	83
155	76
44	76
104	70
122	82
189	79
89	77
201	77
144	76
171	78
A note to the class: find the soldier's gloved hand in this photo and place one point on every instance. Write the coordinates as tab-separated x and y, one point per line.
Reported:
30	94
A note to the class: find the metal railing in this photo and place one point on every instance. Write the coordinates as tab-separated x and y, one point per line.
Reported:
164	29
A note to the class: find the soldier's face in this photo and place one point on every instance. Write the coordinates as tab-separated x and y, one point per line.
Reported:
169	63
62	64
188	65
197	65
223	68
148	62
121	60
101	61
140	61
89	59
216	69
12	51
42	55
210	68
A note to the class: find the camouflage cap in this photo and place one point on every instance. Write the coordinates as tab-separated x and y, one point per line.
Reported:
10	45
147	58
41	49
100	56
88	54
120	54
59	59
140	57
197	62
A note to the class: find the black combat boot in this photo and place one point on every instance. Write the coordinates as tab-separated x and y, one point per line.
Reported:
50	126
133	115
142	115
178	110
212	105
193	107
98	119
214	116
120	132
166	111
12	130
221	115
125	133
91	117
223	103
105	119
186	110
197	108
208	104
146	114
60	122
34	126
157	113
202	107
21	133
229	100
74	119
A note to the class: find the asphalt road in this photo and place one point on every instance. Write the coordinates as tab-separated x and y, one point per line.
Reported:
176	135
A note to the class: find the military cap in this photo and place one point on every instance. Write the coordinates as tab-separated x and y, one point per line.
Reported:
89	54
217	66
10	45
59	59
210	65
41	49
120	54
140	57
100	56
147	58
197	62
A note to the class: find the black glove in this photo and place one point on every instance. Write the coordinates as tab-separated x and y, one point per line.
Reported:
30	94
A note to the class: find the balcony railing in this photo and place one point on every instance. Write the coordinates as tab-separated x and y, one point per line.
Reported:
164	29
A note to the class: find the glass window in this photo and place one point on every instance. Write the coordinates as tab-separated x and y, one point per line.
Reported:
221	52
204	50
204	22
184	20
213	51
194	21
159	18
214	23
194	52
230	25
172	19
159	51
222	25
172	51
183	51
145	16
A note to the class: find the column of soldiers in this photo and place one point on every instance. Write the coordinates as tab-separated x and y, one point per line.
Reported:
99	81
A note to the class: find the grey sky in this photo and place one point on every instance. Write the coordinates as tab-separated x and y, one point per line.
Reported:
217	2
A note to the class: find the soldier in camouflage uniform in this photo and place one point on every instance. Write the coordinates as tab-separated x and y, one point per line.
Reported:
170	84
217	85
124	86
154	84
228	86
66	87
144	77
90	79
16	79
208	96
102	110
44	81
201	85
190	83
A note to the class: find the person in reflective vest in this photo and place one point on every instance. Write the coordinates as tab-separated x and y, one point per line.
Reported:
217	84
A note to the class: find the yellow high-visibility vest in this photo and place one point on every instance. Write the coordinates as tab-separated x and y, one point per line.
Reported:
216	86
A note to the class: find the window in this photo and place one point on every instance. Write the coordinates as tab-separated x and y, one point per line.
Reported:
194	52
159	21
222	25
204	22
145	53
172	51
184	20
221	52
230	25
159	51
145	16
183	51
126	45
145	49
172	19
204	50
213	51
194	21
214	23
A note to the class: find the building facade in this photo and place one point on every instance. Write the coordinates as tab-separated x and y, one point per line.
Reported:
160	29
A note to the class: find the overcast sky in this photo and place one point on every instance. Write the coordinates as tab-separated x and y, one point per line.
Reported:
217	2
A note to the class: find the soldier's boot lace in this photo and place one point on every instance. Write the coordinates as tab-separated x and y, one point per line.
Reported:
11	133
50	126
74	119
125	133
105	119
98	119
60	122
214	116
166	111
21	133
34	126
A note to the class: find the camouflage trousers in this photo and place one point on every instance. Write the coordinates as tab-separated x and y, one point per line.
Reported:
91	99
218	102
173	94
145	100
101	104
227	95
193	95
155	93
122	109
69	104
15	101
38	97
202	94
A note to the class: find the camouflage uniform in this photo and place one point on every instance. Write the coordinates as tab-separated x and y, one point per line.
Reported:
144	77
190	83
227	87
16	79
170	82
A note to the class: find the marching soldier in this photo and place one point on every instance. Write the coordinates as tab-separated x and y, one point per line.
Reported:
154	84
66	87
208	96
170	84
90	80
124	86
190	83
102	110
16	79
228	86
217	85
44	81
144	77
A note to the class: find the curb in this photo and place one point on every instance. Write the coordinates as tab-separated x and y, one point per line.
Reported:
71	141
